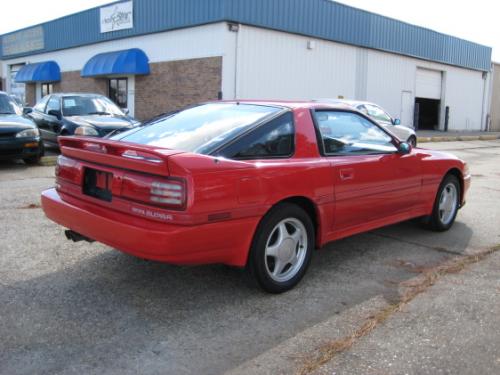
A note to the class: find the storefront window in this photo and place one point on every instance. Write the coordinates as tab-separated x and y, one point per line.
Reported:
118	91
47	89
17	89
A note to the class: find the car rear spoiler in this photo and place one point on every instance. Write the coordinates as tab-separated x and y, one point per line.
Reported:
125	155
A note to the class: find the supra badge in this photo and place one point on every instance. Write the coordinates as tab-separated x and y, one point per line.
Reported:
152	214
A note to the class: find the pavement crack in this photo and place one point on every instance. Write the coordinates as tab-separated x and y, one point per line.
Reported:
435	248
327	351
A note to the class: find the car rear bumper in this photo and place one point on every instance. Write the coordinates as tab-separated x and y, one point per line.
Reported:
19	148
225	242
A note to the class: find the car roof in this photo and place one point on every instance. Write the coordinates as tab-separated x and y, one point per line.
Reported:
88	94
352	103
291	104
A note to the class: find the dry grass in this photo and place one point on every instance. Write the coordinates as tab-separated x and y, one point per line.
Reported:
428	277
30	206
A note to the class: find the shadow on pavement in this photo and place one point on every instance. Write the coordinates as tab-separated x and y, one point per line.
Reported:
117	314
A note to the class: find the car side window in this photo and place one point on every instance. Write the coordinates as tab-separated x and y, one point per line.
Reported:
272	140
377	113
40	106
53	104
347	133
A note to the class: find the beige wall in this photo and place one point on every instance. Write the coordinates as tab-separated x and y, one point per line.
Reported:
30	96
74	82
495	100
172	85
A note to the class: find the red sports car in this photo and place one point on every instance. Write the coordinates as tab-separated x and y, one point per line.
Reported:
249	184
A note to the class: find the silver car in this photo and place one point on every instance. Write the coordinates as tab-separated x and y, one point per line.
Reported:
378	114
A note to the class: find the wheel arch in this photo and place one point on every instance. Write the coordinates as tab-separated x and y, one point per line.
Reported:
308	205
458	174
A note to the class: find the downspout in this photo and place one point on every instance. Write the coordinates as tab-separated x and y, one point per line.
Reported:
236	61
484	110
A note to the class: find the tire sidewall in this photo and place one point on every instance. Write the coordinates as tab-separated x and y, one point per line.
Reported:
412	141
436	222
256	262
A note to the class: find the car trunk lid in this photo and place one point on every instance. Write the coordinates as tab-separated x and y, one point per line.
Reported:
122	176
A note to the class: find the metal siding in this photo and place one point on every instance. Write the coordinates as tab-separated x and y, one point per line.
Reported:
390	77
290	70
317	18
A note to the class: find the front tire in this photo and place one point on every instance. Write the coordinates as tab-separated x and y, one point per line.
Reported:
282	248
446	205
32	160
36	159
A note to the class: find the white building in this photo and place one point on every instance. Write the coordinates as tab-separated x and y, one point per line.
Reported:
258	49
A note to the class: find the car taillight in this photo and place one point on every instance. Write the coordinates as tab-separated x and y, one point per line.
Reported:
163	192
171	193
67	169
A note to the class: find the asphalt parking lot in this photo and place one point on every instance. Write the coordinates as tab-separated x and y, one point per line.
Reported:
85	308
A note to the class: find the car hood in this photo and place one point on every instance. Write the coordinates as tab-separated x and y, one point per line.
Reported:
103	122
14	123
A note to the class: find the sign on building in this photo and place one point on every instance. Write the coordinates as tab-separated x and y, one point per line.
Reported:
118	16
23	41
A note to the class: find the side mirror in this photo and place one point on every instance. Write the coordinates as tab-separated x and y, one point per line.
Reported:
404	148
55	113
126	111
27	110
396	121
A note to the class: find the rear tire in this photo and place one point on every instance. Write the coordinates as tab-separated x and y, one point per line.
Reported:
281	249
412	141
446	205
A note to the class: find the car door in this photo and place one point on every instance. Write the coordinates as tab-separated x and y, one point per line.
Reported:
38	116
372	180
53	122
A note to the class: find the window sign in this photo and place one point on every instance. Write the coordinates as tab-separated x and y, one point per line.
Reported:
118	16
69	103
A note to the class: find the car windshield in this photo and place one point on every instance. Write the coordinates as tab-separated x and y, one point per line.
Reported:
89	105
8	106
201	129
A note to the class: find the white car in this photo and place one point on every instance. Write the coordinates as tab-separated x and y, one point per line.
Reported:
378	114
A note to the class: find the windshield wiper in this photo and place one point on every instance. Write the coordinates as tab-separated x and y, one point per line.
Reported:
99	113
7	113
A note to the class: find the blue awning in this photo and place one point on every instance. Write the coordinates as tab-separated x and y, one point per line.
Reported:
47	71
130	61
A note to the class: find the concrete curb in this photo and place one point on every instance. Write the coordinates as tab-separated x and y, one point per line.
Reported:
459	138
48	161
289	356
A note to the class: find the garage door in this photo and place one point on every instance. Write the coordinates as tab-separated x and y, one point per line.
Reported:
428	84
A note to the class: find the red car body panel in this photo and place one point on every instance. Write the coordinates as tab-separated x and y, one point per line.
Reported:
226	199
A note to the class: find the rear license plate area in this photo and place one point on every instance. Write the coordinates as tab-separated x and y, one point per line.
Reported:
97	184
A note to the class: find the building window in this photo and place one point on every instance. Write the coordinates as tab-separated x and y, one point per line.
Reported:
47	89
118	91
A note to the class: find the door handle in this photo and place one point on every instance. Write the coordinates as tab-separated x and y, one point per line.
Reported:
346	174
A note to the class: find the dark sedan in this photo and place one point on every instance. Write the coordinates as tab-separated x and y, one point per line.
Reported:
78	114
19	136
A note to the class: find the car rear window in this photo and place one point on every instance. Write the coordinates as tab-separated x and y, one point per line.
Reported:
200	129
